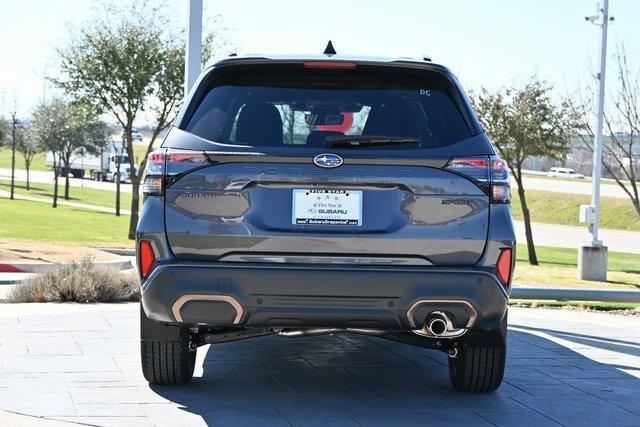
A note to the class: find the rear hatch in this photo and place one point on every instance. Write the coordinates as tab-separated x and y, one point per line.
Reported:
312	164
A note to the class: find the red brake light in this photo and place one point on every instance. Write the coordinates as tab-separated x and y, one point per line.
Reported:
147	258
503	266
195	157
156	157
155	163
461	162
340	65
476	168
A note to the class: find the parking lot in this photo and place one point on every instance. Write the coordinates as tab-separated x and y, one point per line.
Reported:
79	363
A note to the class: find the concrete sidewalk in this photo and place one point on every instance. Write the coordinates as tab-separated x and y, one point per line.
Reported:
80	363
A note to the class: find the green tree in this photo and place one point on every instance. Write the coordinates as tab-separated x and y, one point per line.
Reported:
49	128
85	134
29	146
124	64
65	129
524	122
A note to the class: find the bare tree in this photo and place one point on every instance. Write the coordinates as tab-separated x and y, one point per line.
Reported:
14	142
621	147
118	151
524	122
3	131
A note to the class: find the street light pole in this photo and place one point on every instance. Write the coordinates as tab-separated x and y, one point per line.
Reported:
592	257
193	50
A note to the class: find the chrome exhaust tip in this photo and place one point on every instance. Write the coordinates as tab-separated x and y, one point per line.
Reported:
437	327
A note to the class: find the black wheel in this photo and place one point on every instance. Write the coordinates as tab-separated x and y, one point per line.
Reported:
478	367
165	353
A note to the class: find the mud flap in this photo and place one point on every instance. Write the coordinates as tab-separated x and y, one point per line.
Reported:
151	330
488	338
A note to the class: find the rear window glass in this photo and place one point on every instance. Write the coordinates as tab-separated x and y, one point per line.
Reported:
317	108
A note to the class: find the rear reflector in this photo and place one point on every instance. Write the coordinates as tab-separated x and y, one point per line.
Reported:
339	65
503	266
147	258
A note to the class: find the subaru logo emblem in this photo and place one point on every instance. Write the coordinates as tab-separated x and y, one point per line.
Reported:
327	160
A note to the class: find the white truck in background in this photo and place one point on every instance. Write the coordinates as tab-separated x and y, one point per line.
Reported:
101	167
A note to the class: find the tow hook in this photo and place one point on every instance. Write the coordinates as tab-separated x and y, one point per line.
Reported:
453	351
195	340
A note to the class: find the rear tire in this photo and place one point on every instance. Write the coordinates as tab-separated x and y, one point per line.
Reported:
478	368
167	362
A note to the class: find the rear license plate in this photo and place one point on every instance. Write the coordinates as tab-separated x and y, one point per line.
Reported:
327	207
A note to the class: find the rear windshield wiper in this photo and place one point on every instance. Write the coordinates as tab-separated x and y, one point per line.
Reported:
364	140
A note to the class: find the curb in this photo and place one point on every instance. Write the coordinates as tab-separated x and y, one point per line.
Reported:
119	251
13	278
40	267
576	294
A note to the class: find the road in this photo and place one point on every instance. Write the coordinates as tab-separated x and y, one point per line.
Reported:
571	187
564	236
80	363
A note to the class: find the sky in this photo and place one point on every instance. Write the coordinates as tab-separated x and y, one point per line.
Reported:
490	43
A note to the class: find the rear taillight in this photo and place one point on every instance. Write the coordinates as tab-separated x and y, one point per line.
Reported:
166	164
146	258
504	265
500	185
490	173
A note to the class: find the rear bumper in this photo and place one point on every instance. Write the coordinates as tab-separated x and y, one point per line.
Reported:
260	295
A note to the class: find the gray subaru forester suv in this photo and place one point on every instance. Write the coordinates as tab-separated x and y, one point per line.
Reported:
326	194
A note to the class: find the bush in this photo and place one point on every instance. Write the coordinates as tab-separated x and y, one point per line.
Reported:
82	281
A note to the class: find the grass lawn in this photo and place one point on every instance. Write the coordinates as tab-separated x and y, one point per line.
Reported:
563	208
40	222
558	267
76	194
5	160
585	305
